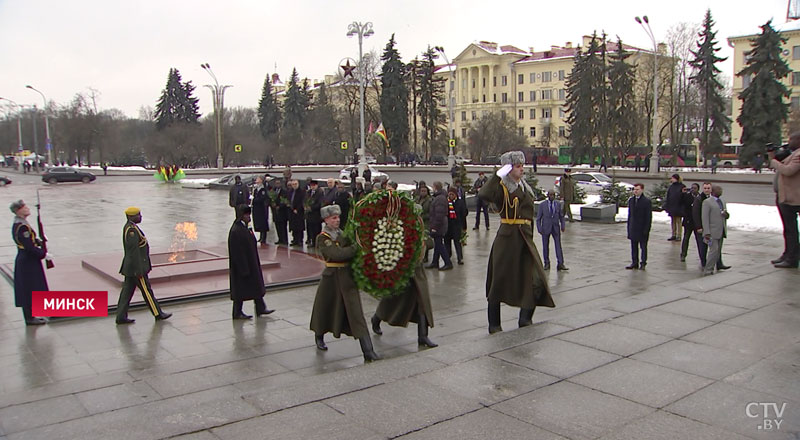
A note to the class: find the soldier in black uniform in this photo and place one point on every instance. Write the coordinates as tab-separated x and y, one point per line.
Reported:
135	267
28	271
239	194
246	277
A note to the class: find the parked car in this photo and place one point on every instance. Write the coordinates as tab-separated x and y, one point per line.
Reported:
4	181
66	174
225	182
344	174
592	183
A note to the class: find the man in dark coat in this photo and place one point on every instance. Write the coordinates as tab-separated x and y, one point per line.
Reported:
135	267
637	162
687	202
337	304
246	278
456	213
640	218
515	275
672	204
313	203
239	194
279	202
342	200
550	223
329	195
481	206
438	228
566	189
261	210
297	222
367	175
28	271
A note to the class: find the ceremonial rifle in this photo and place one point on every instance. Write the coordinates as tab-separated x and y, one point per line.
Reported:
48	263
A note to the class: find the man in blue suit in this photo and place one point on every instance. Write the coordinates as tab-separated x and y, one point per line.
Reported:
550	222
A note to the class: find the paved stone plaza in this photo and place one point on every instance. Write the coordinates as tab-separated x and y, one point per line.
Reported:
657	354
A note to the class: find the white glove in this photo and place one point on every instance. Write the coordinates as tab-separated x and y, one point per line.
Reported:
48	256
504	170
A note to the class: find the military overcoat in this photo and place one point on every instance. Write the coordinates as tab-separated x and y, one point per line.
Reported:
28	270
246	277
400	309
136	261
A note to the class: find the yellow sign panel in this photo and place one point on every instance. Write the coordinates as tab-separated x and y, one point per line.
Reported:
237	148
452	143
343	145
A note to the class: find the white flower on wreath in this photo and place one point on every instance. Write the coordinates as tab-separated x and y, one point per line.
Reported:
388	244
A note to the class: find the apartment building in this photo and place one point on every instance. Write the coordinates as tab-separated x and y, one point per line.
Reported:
790	53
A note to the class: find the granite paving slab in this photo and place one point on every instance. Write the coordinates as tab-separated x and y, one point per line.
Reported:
699	359
481	425
661	425
616	339
557	358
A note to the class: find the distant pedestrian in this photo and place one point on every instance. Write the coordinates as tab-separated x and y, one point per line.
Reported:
296	212
456	213
105	168
342	200
714	162
697	219
279	202
246	277
550	223
135	267
672	204
603	164
367	175
454	173
534	160
640	218
566	189
260	210
28	271
758	162
687	201
715	219
647	162
438	228
313	204
239	193
637	162
481	205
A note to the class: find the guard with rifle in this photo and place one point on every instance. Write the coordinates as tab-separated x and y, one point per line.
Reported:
28	271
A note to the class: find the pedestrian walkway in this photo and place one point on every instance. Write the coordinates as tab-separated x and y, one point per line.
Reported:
658	354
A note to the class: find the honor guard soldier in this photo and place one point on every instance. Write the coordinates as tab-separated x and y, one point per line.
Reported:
515	275
135	267
28	271
337	305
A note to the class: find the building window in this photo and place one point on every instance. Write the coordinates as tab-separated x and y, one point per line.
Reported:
463	133
562	113
533	132
484	98
796	53
547	94
503	115
547	77
504	96
473	83
494	97
561	75
795	103
494	81
533	78
547	113
533	113
463	116
474	115
464	83
746	81
484	83
522	131
562	94
521	114
504	80
546	130
562	131
796	78
521	96
533	95
520	79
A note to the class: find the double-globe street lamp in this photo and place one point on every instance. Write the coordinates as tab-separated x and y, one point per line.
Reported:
218	92
451	158
19	121
645	23
363	30
48	141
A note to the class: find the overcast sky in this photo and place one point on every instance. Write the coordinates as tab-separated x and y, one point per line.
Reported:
124	49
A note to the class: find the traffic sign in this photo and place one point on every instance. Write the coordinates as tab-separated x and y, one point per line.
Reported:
237	148
343	145
452	143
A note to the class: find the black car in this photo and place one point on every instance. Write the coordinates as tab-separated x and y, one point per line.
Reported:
4	181
66	174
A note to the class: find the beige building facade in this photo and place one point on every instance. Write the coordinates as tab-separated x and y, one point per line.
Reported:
790	53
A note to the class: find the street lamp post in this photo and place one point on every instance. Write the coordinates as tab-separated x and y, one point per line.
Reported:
48	141
19	121
451	158
645	23
218	93
363	30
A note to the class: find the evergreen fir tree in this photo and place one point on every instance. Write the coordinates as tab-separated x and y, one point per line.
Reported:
189	110
715	122
394	98
295	105
269	113
580	101
763	107
430	93
176	103
622	114
325	129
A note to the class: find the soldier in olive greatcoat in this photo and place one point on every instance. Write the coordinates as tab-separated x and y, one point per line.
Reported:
135	267
515	275
337	305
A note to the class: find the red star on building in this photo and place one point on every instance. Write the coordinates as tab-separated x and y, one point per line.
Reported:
348	69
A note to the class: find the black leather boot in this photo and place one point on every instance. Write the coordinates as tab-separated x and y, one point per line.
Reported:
526	317
422	332
320	341
366	348
29	319
494	318
376	325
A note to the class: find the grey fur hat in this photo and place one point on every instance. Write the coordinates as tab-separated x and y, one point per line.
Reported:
512	158
330	210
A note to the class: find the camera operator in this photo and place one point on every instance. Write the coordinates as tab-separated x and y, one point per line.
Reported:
788	171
